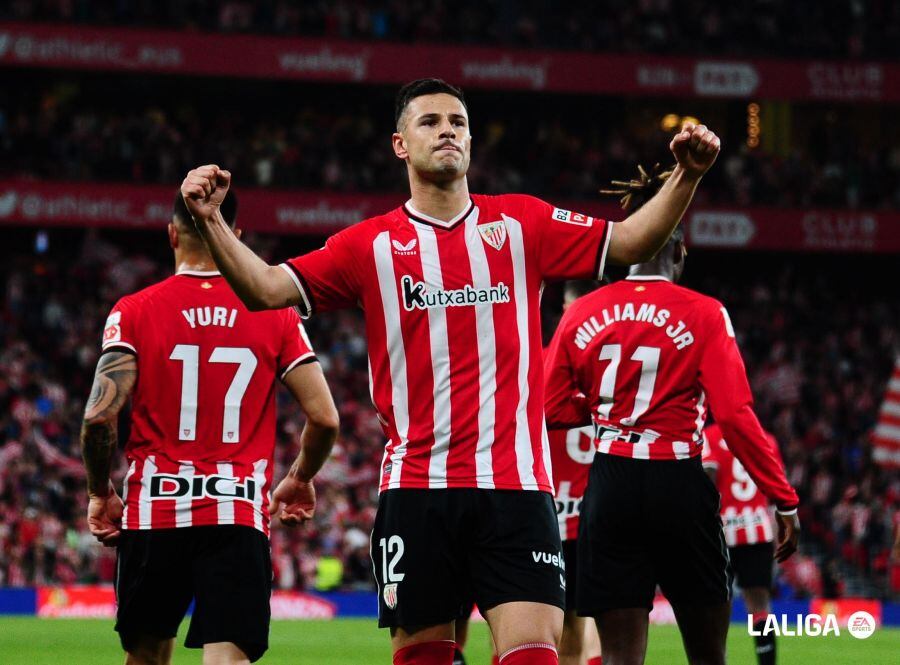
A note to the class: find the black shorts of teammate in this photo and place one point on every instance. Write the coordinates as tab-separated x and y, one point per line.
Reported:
436	550
570	554
752	564
227	570
646	523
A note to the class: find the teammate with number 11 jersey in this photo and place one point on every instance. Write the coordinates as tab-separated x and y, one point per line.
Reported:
651	357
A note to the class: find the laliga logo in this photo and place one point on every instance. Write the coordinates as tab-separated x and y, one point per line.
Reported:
860	625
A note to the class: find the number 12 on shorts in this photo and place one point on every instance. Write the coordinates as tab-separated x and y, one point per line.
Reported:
394	545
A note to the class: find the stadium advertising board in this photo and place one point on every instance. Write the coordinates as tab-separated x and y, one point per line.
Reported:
99	602
297	605
81	602
111	49
47	204
844	608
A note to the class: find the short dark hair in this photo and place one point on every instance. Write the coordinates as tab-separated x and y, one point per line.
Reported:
421	87
576	288
228	209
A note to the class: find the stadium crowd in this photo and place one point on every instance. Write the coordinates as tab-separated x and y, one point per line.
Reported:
848	28
69	131
818	360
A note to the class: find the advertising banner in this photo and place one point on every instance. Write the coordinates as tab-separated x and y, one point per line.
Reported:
190	53
48	204
81	602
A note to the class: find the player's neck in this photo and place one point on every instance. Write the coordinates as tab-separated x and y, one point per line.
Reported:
440	200
653	269
191	262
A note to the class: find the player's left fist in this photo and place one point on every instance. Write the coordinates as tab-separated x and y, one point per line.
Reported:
695	148
105	517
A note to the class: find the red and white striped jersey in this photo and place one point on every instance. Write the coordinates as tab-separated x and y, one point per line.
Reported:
453	325
202	436
571	452
650	355
744	509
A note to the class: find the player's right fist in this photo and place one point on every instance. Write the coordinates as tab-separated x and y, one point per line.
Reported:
204	189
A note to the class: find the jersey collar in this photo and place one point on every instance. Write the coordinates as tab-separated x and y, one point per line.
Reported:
199	273
648	278
417	216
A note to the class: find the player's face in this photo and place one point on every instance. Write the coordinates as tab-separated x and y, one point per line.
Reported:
434	137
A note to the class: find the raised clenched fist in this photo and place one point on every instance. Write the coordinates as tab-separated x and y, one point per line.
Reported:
695	148
204	189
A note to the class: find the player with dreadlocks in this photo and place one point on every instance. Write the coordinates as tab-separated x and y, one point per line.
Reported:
652	357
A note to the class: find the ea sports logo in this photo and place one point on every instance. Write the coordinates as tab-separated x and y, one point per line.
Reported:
861	625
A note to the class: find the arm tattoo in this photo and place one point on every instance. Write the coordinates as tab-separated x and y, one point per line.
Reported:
113	381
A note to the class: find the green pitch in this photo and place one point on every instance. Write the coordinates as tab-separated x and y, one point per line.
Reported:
31	641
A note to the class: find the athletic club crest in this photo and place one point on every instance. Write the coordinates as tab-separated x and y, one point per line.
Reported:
390	595
493	233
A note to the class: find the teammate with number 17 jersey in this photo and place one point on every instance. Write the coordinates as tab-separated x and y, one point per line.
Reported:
203	418
200	369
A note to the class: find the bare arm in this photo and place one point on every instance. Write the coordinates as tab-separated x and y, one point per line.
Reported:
307	384
295	496
641	235
113	381
256	283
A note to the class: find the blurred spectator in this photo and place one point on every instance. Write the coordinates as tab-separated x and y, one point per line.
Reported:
339	142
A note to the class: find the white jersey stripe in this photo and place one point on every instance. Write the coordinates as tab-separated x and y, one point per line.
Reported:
545	452
183	503
768	535
125	482
701	418
387	284
225	507
682	450
487	356
145	512
750	517
259	478
440	358
730	531
524	455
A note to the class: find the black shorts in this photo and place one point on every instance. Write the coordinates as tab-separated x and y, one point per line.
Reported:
646	523
437	551
570	554
227	570
752	564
